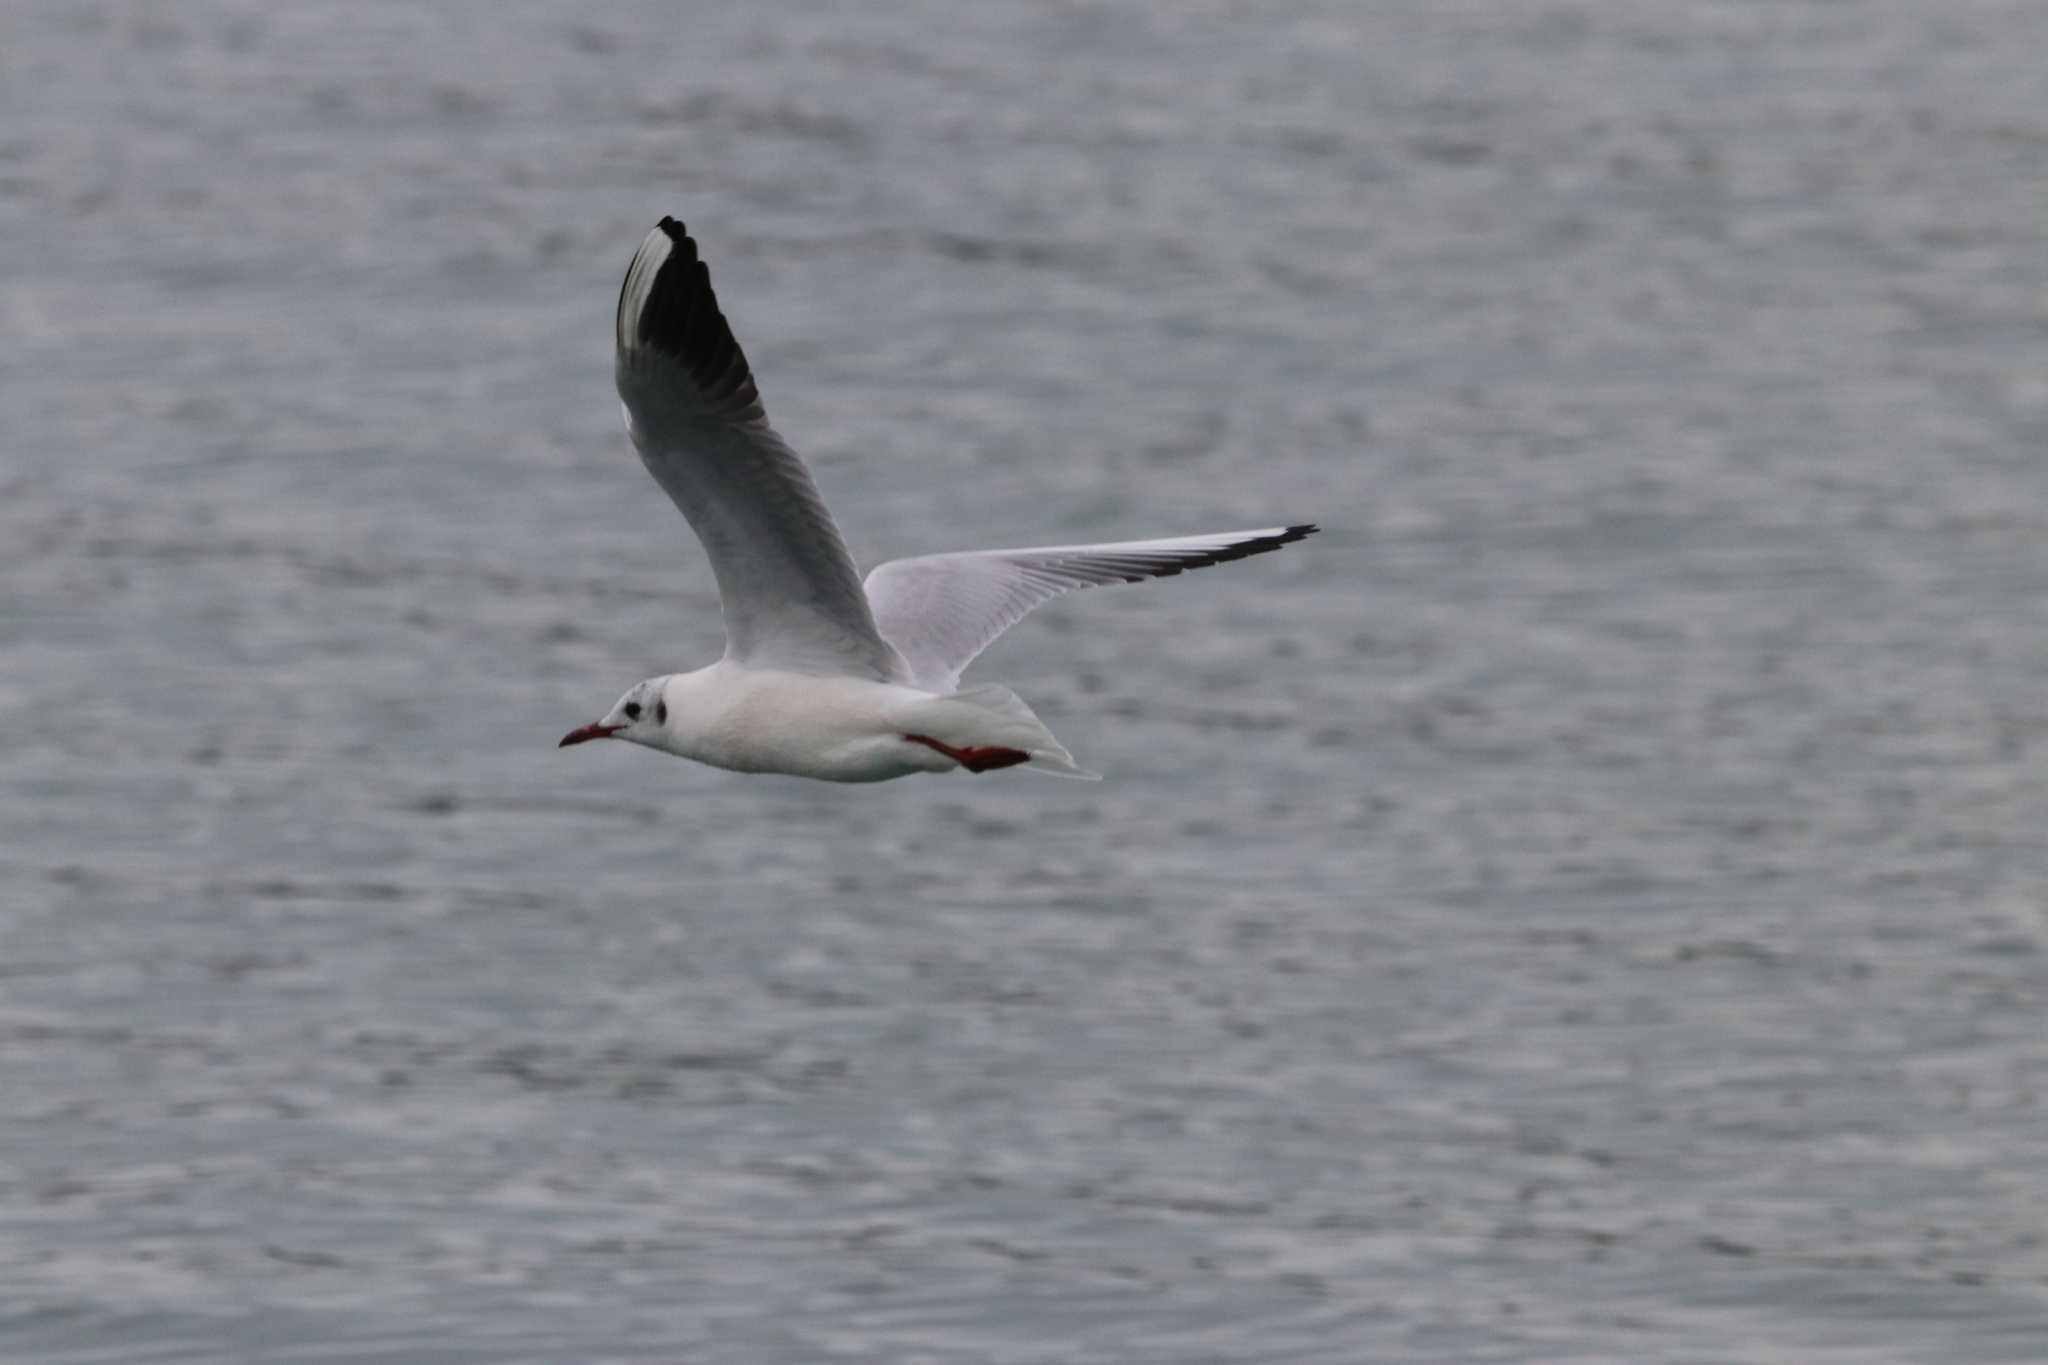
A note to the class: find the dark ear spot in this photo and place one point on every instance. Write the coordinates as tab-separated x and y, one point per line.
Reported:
632	710
661	713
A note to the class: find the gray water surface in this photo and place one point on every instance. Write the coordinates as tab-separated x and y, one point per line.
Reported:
1586	906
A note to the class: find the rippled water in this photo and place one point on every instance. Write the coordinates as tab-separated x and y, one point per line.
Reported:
1586	906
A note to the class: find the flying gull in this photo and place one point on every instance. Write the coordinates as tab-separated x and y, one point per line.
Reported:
824	675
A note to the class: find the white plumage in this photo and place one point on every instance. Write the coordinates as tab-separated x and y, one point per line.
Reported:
824	676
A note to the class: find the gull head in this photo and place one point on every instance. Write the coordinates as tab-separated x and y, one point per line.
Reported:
640	716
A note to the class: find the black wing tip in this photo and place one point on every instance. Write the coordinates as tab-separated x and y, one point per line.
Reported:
1258	545
1169	563
679	316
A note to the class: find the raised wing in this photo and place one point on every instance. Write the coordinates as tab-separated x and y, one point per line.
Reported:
942	610
789	592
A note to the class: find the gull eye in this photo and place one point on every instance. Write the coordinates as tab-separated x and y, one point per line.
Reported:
632	710
661	713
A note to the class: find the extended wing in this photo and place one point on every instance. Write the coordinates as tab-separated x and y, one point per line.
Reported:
939	611
790	595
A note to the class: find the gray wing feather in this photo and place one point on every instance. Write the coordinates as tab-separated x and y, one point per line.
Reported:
940	611
789	592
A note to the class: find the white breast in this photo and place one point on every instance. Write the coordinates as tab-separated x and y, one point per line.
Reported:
836	729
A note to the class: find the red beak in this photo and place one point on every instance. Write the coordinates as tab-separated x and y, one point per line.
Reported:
583	733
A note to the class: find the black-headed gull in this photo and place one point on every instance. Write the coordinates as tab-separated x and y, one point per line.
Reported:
824	676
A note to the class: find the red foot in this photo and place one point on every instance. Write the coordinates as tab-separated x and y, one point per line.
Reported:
975	760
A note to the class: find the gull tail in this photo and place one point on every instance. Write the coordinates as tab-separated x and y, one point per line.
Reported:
993	717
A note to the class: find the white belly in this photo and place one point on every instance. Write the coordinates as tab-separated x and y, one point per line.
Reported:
832	729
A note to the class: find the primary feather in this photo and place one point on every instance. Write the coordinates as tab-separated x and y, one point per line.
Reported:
789	592
939	611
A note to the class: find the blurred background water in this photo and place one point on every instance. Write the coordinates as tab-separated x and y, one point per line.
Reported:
1587	906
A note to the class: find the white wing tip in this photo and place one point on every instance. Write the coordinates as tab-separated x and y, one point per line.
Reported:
654	252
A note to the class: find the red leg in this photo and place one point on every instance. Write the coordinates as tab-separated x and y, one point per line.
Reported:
985	759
